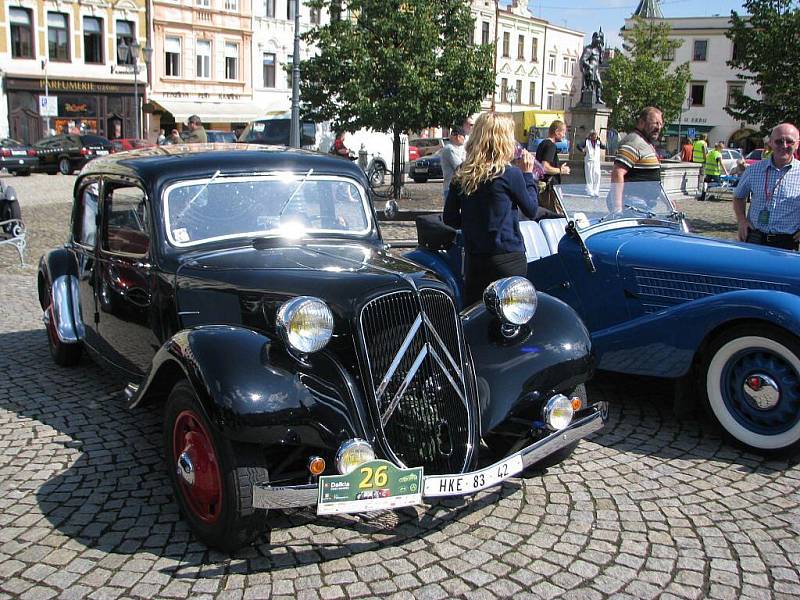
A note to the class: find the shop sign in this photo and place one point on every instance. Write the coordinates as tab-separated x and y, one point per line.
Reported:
48	106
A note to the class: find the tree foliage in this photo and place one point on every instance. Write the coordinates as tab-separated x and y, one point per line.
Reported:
766	42
641	76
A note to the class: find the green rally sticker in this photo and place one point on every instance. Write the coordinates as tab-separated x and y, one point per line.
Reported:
376	485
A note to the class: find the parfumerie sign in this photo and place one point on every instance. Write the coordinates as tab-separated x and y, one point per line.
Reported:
67	85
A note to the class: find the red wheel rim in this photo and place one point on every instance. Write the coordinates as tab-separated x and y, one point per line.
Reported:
191	440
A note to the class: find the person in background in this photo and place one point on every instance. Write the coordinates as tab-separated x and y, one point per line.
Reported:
774	189
467	125
174	137
485	198
197	134
547	155
591	148
162	137
686	150
452	155
637	159
713	168
338	148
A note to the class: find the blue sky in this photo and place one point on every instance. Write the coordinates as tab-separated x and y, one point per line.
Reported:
589	15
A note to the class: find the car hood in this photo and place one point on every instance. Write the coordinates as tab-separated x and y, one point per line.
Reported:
679	267
239	286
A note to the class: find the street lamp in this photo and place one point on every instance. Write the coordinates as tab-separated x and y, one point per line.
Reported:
511	94
294	132
130	53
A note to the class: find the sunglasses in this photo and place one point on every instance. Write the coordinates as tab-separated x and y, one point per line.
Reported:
784	141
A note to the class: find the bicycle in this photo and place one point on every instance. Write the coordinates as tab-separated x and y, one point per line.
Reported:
382	185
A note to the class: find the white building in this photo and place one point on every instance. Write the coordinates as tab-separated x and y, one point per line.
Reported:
707	51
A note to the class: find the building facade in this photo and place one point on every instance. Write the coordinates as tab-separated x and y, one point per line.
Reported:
707	50
68	53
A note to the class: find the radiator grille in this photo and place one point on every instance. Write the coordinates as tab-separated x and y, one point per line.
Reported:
417	382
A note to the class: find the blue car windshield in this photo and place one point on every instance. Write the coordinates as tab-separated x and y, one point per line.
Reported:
633	200
291	205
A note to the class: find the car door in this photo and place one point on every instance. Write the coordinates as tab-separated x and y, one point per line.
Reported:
47	151
84	248
125	278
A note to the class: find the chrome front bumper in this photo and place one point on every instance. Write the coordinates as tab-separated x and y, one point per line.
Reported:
277	497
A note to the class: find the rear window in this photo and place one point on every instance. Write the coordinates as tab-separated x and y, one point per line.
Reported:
94	140
276	132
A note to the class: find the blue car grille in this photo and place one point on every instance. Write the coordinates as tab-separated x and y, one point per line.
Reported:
661	289
418	384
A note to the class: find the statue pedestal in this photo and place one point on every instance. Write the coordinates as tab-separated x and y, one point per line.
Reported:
584	119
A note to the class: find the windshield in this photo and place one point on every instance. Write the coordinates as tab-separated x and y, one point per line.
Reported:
287	205
632	200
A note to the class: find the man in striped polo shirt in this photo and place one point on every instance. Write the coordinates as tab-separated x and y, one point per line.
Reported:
774	189
637	159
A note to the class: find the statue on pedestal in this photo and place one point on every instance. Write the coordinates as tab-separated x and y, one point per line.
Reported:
590	62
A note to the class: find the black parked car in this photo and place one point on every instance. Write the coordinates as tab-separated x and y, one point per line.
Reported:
16	157
300	362
67	153
428	167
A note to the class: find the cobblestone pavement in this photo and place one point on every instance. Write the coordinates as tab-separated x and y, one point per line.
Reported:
651	506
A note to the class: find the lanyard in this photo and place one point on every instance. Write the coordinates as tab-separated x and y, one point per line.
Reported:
769	195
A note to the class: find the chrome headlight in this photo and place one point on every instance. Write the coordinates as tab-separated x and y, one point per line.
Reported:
558	412
512	300
353	453
305	323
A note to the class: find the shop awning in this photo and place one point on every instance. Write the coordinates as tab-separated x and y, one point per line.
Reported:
211	112
672	128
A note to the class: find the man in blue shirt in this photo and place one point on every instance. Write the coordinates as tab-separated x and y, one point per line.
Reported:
774	188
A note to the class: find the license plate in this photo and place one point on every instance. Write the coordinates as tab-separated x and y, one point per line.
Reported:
18	153
458	485
420	169
376	485
101	152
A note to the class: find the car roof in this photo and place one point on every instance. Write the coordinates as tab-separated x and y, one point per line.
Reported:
184	161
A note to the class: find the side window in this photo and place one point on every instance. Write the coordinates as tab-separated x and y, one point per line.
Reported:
85	226
127	229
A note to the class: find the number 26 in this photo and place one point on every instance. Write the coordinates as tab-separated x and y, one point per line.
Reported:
373	478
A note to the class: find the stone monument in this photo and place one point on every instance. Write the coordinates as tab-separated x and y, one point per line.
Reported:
591	112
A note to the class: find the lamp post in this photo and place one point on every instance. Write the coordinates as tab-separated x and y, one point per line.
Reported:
130	53
511	94
294	133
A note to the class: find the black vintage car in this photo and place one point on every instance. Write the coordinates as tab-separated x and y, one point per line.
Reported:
67	153
300	361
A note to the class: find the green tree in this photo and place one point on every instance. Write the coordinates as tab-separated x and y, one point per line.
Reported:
765	42
394	65
641	76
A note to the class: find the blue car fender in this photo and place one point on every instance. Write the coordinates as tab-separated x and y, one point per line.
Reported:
665	343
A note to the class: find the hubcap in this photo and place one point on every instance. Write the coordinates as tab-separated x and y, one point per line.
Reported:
197	467
761	391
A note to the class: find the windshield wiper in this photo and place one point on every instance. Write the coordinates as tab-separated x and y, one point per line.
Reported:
200	191
638	210
285	205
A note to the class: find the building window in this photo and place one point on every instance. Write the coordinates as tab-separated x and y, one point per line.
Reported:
290	10
506	43
734	90
565	66
551	63
535	49
736	52
669	55
290	71
504	90
566	101
700	50
485	32
521	47
172	57
519	91
269	8
231	60
92	40
125	36
57	37
204	3
232	5
698	93
204	59
572	64
532	91
21	33
314	16
550	100
269	70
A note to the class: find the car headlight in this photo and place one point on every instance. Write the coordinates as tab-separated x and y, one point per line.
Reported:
305	323
512	300
558	412
353	453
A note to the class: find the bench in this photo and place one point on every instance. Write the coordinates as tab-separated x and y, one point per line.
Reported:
12	232
541	239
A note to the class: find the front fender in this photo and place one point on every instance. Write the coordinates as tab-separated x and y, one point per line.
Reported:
254	392
58	279
664	344
553	354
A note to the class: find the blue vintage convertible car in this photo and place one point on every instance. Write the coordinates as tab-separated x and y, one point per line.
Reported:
720	317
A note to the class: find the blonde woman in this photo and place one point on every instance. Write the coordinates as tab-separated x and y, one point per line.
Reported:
485	197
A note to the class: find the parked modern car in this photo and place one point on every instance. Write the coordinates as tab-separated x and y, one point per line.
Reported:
67	153
754	156
722	318
427	146
125	144
730	156
16	157
299	362
428	167
216	135
413	153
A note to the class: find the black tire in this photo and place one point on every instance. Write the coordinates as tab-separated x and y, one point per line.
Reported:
750	377
9	209
377	174
218	507
420	179
64	354
64	166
